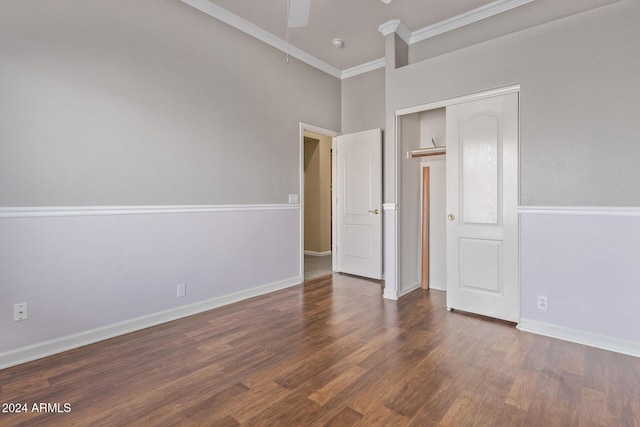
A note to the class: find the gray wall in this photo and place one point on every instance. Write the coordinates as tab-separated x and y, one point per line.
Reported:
143	103
148	103
525	16
580	97
363	102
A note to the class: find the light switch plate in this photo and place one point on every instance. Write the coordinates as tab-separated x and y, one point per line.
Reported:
293	198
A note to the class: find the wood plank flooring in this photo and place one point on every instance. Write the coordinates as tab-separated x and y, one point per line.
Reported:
331	352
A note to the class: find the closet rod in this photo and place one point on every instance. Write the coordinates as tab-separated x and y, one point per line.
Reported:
424	152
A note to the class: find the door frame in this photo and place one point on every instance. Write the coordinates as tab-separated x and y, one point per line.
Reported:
457	100
432	106
305	127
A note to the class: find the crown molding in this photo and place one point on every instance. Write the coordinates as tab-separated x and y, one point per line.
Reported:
241	24
392	26
389	27
363	68
396	26
475	15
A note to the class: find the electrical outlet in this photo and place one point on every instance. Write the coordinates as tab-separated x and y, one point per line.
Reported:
543	303
182	290
20	311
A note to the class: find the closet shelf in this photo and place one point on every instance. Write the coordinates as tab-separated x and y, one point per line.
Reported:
424	152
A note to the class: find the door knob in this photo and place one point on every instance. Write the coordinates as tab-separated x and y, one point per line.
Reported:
375	211
451	217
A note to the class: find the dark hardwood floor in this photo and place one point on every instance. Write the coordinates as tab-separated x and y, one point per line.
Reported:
331	352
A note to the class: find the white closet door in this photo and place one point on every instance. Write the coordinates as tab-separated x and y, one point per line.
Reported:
482	200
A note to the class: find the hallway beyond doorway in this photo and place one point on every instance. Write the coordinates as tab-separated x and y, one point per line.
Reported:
316	266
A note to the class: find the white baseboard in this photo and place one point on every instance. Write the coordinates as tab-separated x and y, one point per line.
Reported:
410	289
391	294
394	294
313	253
59	345
604	342
438	286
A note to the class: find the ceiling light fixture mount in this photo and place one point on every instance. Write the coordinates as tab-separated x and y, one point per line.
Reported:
337	43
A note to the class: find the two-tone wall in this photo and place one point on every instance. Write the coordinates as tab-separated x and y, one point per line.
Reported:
93	273
143	145
579	223
586	260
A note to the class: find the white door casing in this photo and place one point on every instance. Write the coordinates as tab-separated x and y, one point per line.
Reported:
359	203
482	200
305	127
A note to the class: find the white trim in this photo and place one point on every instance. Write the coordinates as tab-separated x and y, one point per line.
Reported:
605	342
475	15
389	27
438	286
314	253
315	129
458	100
241	24
408	290
390	258
395	295
363	68
334	201
59	345
397	217
396	26
580	210
390	294
305	127
56	211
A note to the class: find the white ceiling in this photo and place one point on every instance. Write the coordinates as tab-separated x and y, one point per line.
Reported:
357	22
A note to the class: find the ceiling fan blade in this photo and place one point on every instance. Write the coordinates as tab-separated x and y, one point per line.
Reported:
299	13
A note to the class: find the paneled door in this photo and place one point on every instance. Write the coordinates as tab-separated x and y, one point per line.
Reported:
359	203
482	200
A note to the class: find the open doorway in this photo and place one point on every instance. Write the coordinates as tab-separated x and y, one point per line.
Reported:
423	198
317	205
317	177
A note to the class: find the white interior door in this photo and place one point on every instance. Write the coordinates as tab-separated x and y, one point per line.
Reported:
359	203
482	198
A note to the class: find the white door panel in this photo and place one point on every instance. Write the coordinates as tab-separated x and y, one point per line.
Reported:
480	265
359	203
480	162
482	197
